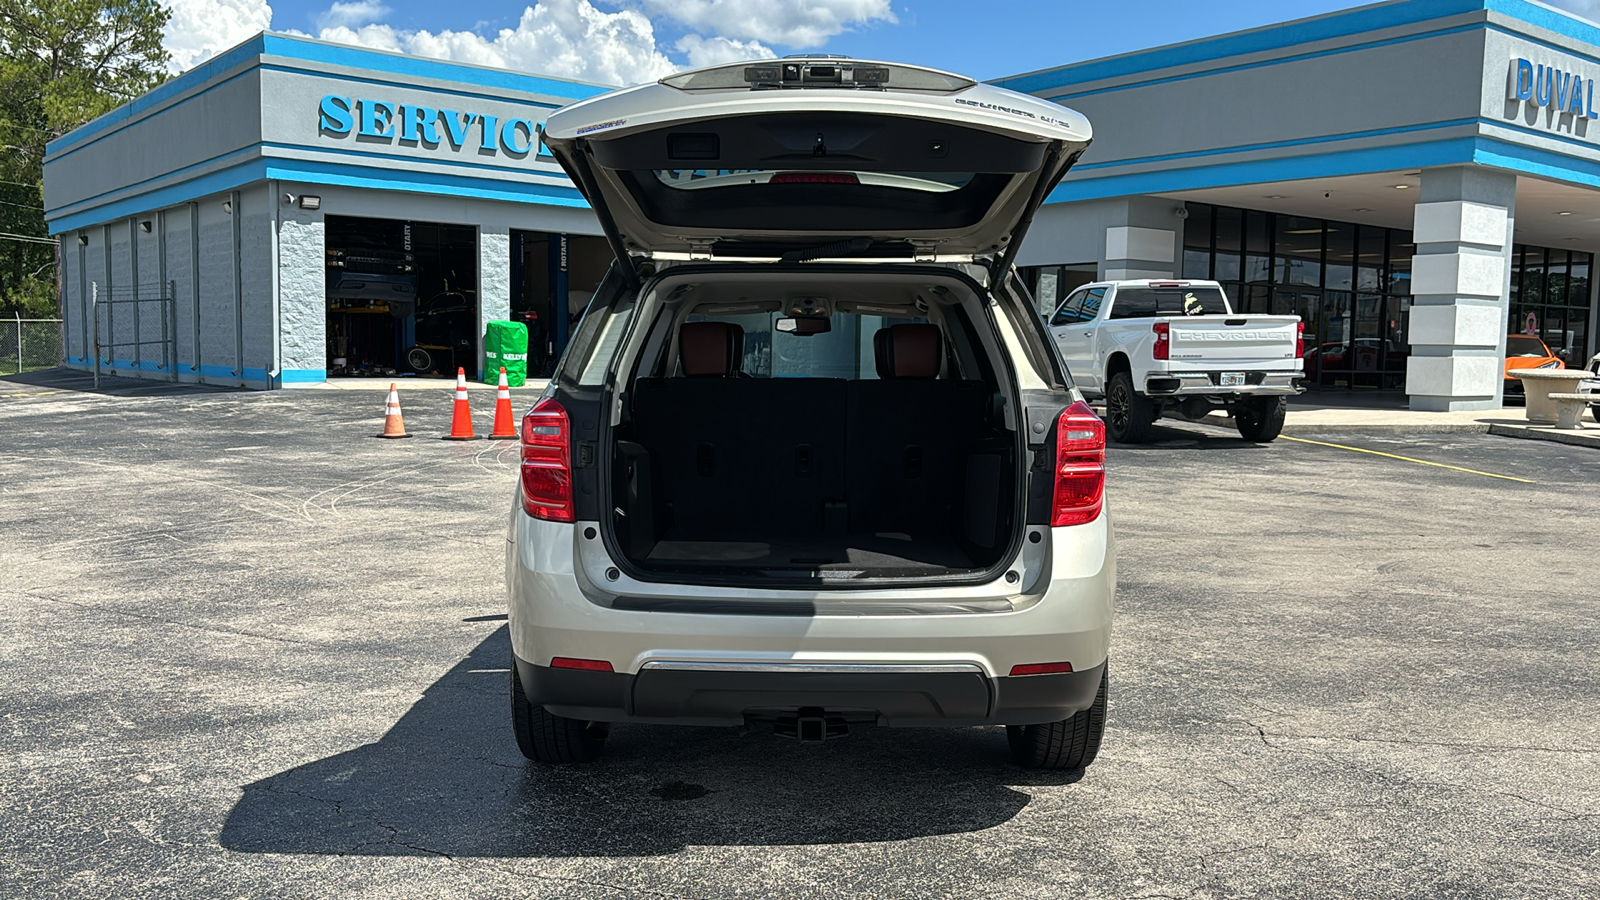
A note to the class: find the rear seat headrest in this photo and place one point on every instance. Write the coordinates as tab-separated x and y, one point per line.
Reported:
711	349
911	350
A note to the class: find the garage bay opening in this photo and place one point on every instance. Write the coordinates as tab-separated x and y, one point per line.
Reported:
402	297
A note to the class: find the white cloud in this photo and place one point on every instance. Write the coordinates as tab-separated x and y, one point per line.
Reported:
200	29
791	23
704	51
352	15
565	38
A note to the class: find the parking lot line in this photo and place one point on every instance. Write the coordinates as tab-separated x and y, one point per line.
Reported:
1421	462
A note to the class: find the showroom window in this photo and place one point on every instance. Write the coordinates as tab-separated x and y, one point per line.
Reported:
1349	283
1550	298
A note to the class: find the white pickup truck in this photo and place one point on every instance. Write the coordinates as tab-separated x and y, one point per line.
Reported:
1157	347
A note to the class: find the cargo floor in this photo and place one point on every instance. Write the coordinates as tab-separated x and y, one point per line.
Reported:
900	553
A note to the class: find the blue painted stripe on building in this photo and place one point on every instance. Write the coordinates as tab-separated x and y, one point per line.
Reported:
255	373
522	170
1277	37
1455	151
1065	98
207	70
422	183
1275	145
1548	19
303	376
1534	161
313	172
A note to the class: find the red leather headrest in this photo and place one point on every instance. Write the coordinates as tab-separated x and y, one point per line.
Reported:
710	349
908	351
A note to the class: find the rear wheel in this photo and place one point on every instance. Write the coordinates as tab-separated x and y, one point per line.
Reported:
1260	419
550	738
1594	410
419	360
1067	744
1129	414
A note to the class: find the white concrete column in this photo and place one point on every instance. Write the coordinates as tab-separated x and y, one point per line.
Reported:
1460	284
302	295
494	282
1141	240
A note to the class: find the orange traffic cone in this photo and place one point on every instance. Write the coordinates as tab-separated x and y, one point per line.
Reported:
504	428
393	425
461	421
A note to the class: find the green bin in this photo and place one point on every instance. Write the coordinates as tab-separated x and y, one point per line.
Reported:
505	344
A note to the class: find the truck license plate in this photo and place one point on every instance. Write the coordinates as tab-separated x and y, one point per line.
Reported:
1233	379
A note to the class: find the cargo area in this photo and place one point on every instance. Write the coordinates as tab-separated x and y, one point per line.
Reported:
876	449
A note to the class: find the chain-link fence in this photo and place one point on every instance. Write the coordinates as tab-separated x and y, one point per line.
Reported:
29	344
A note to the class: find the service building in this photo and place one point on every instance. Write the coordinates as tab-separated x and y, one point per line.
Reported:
1416	179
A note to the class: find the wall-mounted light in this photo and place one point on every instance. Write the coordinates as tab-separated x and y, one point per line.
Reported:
83	238
310	201
1564	213
145	226
227	206
1402	187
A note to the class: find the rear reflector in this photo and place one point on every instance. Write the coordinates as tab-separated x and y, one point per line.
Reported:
1080	466
587	665
1055	668
546	463
814	178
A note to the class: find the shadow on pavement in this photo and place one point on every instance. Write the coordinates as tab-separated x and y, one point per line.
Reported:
63	379
447	779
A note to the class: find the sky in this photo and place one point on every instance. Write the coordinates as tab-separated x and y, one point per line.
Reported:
629	41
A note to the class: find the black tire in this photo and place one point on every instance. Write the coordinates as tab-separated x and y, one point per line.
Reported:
1129	414
549	738
419	360
1595	411
1260	419
1068	744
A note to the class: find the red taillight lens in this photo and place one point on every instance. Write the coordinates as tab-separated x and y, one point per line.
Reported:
1080	466
1300	340
1055	668
587	665
1163	347
546	463
814	178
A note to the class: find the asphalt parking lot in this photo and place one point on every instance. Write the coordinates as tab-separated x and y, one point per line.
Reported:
253	652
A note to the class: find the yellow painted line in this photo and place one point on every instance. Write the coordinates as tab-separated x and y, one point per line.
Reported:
35	393
1420	462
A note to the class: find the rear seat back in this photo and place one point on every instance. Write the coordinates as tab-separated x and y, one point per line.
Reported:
908	435
730	453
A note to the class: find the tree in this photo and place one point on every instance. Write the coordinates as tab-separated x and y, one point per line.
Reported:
62	63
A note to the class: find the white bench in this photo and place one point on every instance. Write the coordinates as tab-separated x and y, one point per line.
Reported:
1570	407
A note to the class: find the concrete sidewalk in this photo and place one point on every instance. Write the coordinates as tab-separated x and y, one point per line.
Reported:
1313	415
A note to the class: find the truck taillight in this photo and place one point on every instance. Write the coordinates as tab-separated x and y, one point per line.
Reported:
1300	339
547	463
1163	347
1080	466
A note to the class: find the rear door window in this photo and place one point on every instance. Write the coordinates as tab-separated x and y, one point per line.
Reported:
1144	302
845	351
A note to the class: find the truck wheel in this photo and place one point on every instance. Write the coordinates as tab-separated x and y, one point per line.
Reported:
1260	419
1594	410
1067	744
549	738
1129	414
419	360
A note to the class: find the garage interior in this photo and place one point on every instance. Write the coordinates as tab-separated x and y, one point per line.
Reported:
402	297
541	271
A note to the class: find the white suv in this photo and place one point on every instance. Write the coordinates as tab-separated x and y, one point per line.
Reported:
812	461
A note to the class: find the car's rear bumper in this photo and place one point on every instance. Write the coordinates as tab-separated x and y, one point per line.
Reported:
1189	384
733	695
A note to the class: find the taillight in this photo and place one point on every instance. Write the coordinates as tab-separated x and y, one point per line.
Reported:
1162	348
1300	340
546	463
1080	466
814	178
